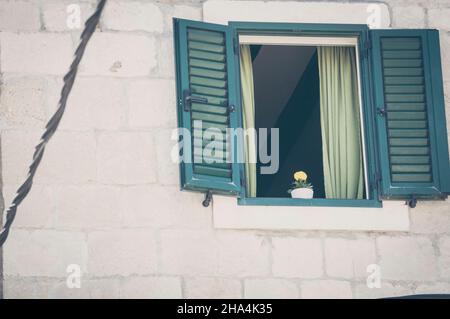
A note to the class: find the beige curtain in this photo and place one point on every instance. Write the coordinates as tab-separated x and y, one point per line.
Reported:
248	108
340	123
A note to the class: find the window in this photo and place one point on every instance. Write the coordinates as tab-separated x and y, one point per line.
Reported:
289	78
395	118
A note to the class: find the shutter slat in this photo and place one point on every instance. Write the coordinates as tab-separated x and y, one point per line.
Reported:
404	54
407	106
408	89
209	125
207	56
398	44
220	84
411	178
400	63
408	133
401	115
204	141
411	168
199	89
206	73
209	162
410	159
205	36
414	98
208	47
408	141
393	124
205	64
213	100
214	118
409	150
210	170
403	71
209	108
216	153
403	80
197	133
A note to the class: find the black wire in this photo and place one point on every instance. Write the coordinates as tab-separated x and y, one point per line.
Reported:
52	125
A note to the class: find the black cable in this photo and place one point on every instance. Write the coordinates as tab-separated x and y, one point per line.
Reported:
52	125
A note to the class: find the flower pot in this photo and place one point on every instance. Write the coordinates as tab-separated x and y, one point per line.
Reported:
306	193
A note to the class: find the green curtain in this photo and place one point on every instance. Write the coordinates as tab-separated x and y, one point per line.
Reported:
248	107
340	123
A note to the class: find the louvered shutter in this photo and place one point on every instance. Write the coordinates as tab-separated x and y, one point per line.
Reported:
207	94
411	120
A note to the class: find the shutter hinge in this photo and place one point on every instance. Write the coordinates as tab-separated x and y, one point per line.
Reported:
381	111
208	198
412	202
366	49
235	45
243	184
377	185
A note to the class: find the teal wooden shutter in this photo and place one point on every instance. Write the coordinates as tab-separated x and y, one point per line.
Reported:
207	92
411	120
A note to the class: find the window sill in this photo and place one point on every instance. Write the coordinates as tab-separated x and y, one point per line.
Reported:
392	216
309	202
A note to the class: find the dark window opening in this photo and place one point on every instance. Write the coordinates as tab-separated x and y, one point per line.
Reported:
287	97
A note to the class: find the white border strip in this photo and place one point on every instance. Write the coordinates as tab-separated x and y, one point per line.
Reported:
297	40
361	119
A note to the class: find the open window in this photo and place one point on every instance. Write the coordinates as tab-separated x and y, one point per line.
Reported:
308	90
360	111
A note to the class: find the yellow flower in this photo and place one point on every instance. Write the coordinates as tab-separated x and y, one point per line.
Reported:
300	176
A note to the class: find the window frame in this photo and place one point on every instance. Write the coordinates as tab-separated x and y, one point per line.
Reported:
368	117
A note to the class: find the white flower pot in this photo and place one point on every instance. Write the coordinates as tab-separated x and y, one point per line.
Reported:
302	193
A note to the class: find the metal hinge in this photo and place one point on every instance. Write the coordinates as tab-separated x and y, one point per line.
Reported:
382	111
243	182
376	185
208	198
235	45
412	202
365	50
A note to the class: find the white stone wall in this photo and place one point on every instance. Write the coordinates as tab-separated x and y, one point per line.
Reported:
106	196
